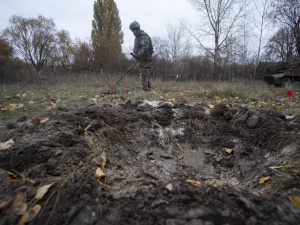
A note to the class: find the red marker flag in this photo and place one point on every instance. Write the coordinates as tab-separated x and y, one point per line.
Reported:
289	93
111	89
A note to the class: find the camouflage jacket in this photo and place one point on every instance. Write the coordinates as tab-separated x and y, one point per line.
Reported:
142	44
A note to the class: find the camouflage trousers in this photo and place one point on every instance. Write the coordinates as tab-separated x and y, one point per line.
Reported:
146	70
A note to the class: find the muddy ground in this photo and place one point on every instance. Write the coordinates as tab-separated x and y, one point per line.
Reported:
164	163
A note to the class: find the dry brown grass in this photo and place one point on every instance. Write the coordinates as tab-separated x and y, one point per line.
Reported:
77	91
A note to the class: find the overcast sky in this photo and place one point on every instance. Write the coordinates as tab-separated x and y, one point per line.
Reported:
76	16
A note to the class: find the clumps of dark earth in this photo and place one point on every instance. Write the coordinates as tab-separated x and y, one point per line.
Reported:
151	163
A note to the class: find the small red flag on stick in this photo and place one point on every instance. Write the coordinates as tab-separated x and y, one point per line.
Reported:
111	89
289	93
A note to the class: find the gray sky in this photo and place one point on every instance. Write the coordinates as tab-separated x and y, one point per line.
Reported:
76	16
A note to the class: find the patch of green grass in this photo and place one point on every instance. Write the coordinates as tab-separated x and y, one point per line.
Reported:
228	92
5	115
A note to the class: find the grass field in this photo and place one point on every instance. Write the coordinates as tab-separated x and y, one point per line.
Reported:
26	100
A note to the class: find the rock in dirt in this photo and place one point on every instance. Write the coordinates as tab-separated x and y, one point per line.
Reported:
253	121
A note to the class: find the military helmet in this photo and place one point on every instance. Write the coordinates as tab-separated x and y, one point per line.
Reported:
134	25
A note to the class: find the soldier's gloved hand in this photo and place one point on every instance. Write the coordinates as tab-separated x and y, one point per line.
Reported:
135	56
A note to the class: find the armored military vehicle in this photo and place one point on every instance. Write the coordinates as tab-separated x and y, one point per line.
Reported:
282	78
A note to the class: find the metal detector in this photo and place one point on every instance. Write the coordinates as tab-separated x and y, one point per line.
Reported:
112	87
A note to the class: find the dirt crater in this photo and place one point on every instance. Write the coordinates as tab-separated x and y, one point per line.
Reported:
147	146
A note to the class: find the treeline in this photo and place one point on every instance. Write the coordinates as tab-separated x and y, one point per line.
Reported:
231	42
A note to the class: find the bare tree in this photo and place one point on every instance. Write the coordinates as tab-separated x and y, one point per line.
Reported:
160	47
233	52
281	46
219	22
34	38
261	22
241	44
162	60
178	46
287	14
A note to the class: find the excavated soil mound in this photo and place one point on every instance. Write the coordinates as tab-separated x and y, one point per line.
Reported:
162	163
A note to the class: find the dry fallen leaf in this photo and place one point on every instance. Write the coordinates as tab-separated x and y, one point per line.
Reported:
30	214
209	95
290	117
44	120
102	160
264	179
41	191
16	204
79	130
21	180
180	157
16	106
211	106
278	108
229	150
234	112
94	100
193	181
281	167
6	145
99	174
82	97
35	122
295	200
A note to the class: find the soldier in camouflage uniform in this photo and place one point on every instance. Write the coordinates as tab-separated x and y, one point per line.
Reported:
143	50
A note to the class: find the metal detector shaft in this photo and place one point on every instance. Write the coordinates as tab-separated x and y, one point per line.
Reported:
125	73
133	55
